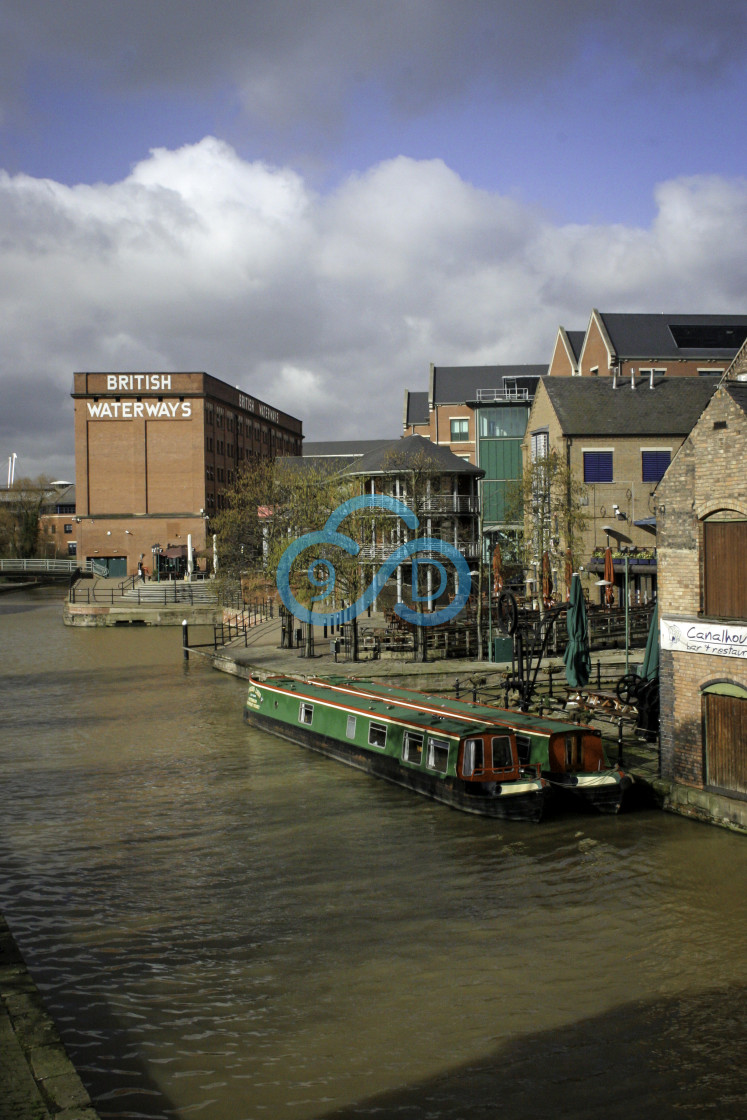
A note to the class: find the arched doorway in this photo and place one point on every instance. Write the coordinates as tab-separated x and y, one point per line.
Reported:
724	707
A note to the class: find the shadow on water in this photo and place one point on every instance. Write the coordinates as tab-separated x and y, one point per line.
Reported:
669	1057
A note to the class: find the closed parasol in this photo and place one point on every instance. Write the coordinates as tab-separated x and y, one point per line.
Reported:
546	580
609	575
576	658
497	570
650	666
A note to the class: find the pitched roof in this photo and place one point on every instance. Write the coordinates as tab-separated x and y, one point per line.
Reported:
459	384
412	452
649	336
576	341
591	406
416	407
341	448
737	390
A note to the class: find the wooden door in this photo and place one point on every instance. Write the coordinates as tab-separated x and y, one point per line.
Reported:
726	741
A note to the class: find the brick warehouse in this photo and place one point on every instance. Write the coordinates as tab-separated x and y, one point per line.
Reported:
702	538
154	455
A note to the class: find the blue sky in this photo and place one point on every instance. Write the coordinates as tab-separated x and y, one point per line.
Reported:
377	185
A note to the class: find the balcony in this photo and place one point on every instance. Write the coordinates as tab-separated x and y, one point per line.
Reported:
484	396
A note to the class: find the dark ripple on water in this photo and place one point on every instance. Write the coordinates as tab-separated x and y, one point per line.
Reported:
229	926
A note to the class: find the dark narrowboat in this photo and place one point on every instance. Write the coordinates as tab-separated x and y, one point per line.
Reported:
473	767
570	756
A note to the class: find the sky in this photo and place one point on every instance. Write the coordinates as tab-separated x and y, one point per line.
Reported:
314	200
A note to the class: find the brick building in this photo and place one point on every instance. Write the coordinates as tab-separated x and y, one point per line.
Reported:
154	454
702	537
623	344
480	413
617	439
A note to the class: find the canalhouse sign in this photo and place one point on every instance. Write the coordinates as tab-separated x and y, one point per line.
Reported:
696	635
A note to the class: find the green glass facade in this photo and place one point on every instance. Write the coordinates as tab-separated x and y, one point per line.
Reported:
500	434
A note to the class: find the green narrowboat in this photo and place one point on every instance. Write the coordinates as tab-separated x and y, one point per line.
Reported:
474	768
570	756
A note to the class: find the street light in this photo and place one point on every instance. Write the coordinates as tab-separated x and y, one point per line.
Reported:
156	550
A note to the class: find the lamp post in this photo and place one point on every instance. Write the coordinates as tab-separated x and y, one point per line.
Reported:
156	550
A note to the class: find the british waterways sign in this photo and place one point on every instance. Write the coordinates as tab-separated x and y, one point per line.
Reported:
720	639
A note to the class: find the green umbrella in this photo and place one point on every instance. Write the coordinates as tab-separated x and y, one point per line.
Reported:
576	656
650	666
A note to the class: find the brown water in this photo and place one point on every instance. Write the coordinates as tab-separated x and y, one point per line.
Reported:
228	926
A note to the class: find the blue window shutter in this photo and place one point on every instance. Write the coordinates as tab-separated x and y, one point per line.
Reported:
654	465
598	466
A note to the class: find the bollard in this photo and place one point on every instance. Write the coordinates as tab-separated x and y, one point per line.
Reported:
456	687
619	742
550	671
185	639
599	673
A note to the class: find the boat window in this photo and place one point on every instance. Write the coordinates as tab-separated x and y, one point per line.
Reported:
502	755
573	754
350	730
524	747
412	748
438	755
305	712
473	756
377	734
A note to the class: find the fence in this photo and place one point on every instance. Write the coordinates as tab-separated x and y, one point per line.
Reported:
144	594
233	627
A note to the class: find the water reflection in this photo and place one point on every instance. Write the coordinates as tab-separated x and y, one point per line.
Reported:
225	924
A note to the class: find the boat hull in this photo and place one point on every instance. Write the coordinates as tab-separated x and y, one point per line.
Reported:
515	801
602	795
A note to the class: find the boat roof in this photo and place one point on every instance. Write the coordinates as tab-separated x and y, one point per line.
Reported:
489	713
343	694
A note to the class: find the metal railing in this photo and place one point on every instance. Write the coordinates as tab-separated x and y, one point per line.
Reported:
233	627
39	565
145	594
502	395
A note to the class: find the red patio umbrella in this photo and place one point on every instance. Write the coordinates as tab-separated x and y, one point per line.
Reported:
546	579
497	570
609	574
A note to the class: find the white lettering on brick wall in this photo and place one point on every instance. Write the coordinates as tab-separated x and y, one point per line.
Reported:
139	410
138	382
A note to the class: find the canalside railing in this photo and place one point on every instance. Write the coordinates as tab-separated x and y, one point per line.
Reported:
232	627
144	594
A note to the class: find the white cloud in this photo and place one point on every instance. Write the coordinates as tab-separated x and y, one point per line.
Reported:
327	307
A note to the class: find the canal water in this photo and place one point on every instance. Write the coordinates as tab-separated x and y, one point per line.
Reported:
226	926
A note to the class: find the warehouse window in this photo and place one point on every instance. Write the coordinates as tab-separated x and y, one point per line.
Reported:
654	465
598	466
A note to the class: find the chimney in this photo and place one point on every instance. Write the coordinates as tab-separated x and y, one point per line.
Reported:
632	378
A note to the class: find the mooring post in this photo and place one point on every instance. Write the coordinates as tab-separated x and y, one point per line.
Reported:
185	639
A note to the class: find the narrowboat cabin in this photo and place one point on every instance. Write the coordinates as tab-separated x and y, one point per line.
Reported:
569	756
472	766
